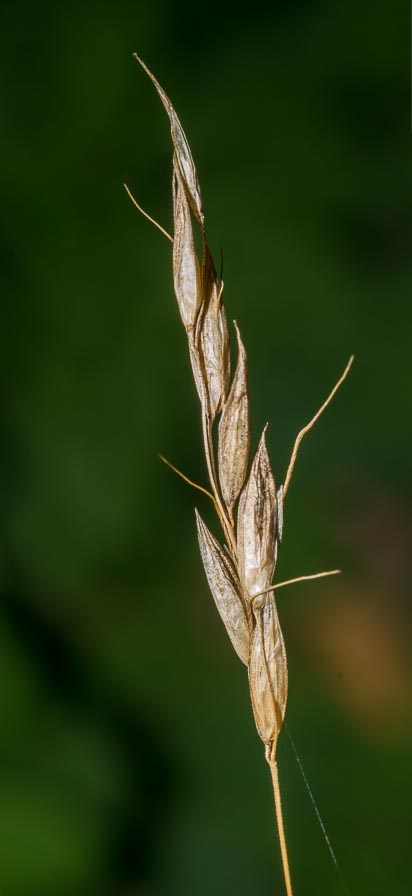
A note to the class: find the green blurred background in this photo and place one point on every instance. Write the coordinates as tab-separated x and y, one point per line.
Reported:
129	763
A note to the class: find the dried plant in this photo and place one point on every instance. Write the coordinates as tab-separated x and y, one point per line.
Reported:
247	502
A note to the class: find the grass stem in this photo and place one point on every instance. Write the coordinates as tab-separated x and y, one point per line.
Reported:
279	818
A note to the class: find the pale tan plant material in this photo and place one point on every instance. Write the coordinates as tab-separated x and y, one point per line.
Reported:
268	677
257	525
234	432
185	264
182	149
240	574
213	338
225	587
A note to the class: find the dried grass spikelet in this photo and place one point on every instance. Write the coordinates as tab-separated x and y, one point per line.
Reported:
240	574
213	338
268	676
257	526
182	150
226	590
186	273
234	432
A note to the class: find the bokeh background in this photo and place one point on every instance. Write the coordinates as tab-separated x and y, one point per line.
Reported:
129	763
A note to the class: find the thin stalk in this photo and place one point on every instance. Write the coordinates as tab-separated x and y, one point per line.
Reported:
146	215
311	423
189	481
316	575
279	818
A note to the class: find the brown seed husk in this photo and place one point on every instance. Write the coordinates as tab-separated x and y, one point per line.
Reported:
268	675
197	368
186	273
214	338
225	587
257	521
234	432
182	149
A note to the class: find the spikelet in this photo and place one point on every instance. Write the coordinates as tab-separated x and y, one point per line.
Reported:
248	566
226	590
257	531
234	432
240	573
